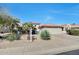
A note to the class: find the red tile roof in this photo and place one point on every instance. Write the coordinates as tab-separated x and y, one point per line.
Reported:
50	26
57	26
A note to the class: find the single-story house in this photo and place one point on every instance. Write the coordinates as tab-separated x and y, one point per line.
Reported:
76	26
52	28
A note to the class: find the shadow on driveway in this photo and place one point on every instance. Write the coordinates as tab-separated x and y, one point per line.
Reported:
74	52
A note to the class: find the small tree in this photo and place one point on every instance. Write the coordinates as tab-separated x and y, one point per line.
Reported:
45	35
27	26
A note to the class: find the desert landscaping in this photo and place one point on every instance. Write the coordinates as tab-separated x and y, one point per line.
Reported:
21	37
59	43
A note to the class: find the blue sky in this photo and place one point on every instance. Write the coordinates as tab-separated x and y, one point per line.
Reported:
46	13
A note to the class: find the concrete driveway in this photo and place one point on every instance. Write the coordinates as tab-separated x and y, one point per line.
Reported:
59	43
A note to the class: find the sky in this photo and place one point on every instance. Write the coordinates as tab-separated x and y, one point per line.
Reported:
45	13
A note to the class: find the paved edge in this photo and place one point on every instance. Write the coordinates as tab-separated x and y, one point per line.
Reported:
61	50
52	51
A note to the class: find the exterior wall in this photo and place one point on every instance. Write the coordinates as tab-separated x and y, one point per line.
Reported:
53	30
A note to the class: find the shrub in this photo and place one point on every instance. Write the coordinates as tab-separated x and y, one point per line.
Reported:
68	32
73	32
12	37
45	35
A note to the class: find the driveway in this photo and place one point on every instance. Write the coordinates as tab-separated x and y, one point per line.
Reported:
59	43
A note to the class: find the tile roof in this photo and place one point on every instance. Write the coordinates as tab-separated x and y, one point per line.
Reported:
50	26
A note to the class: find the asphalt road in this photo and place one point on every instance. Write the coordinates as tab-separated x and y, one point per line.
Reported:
74	52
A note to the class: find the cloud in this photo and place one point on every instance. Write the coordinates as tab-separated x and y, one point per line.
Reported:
48	18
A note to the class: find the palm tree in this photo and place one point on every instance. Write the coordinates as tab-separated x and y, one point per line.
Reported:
14	24
7	20
14	21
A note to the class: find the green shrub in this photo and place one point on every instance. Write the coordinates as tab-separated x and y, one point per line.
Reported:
45	35
68	32
12	37
73	32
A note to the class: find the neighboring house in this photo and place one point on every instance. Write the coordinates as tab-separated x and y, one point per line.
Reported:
69	26
76	26
54	28
66	26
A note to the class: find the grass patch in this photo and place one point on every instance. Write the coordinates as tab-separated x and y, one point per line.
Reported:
73	32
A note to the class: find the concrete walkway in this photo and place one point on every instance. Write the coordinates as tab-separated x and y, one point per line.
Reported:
59	43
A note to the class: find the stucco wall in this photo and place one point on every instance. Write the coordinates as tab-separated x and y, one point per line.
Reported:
53	30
